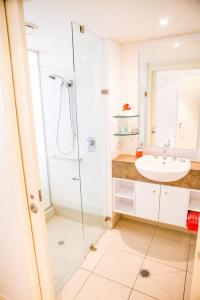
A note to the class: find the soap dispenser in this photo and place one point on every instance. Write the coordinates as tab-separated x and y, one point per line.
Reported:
139	151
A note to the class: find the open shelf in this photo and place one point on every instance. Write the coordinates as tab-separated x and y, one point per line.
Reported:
123	195
125	134
194	201
194	205
122	205
123	188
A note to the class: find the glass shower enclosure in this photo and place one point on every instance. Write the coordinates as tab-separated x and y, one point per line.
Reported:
67	79
91	120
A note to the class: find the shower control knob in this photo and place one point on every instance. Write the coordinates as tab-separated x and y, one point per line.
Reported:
91	144
75	178
34	208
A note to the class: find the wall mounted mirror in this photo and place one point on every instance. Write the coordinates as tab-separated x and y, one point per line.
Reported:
174	108
170	96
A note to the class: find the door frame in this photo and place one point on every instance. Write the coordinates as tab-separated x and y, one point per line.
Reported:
22	90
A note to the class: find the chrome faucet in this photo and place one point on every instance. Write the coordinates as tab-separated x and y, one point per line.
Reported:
165	148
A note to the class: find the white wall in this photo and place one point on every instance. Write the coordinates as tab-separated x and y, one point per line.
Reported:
113	83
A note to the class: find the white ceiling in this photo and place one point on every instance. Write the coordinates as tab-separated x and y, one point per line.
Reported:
125	20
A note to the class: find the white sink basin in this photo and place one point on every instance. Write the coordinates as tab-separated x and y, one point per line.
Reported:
161	170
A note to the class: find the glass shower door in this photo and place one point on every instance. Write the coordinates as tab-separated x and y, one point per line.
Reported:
54	110
91	119
70	134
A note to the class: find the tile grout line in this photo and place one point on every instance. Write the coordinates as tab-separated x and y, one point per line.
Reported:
109	246
163	263
145	257
145	295
140	255
92	272
184	289
111	280
143	260
82	286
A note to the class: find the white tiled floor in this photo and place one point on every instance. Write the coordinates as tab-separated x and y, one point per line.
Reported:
67	257
112	272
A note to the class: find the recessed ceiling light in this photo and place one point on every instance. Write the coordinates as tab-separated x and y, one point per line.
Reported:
164	22
176	45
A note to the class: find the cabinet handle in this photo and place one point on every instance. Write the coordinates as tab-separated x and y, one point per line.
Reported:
154	191
166	193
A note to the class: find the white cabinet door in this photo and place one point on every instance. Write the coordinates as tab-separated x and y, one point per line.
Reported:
173	205
147	200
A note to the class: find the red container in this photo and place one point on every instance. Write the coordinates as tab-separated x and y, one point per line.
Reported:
193	220
139	152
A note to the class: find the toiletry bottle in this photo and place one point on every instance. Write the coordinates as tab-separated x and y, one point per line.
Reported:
139	151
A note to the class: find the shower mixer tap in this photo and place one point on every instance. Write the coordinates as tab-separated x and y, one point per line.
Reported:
91	144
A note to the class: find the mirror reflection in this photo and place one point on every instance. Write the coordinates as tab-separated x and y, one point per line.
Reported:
169	87
174	106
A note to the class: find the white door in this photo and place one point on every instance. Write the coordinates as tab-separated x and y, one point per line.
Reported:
22	90
173	205
147	200
18	267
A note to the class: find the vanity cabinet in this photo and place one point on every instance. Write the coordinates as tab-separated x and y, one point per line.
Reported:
173	205
147	200
150	201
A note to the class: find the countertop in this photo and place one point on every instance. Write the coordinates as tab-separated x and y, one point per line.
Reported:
127	158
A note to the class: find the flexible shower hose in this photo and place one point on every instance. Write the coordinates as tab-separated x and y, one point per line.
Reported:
59	120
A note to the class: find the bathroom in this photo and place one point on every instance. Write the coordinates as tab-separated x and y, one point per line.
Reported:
107	104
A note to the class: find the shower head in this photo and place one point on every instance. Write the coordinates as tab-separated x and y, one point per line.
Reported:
68	83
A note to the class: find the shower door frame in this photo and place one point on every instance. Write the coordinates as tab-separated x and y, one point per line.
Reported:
83	30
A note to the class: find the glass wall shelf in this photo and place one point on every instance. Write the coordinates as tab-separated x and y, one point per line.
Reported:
125	134
125	116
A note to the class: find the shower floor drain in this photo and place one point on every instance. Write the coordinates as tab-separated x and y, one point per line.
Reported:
60	243
145	273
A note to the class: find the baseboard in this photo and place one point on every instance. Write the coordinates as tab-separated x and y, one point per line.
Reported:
167	226
49	213
114	219
76	215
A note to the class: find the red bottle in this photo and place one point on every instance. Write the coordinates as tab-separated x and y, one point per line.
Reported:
139	151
